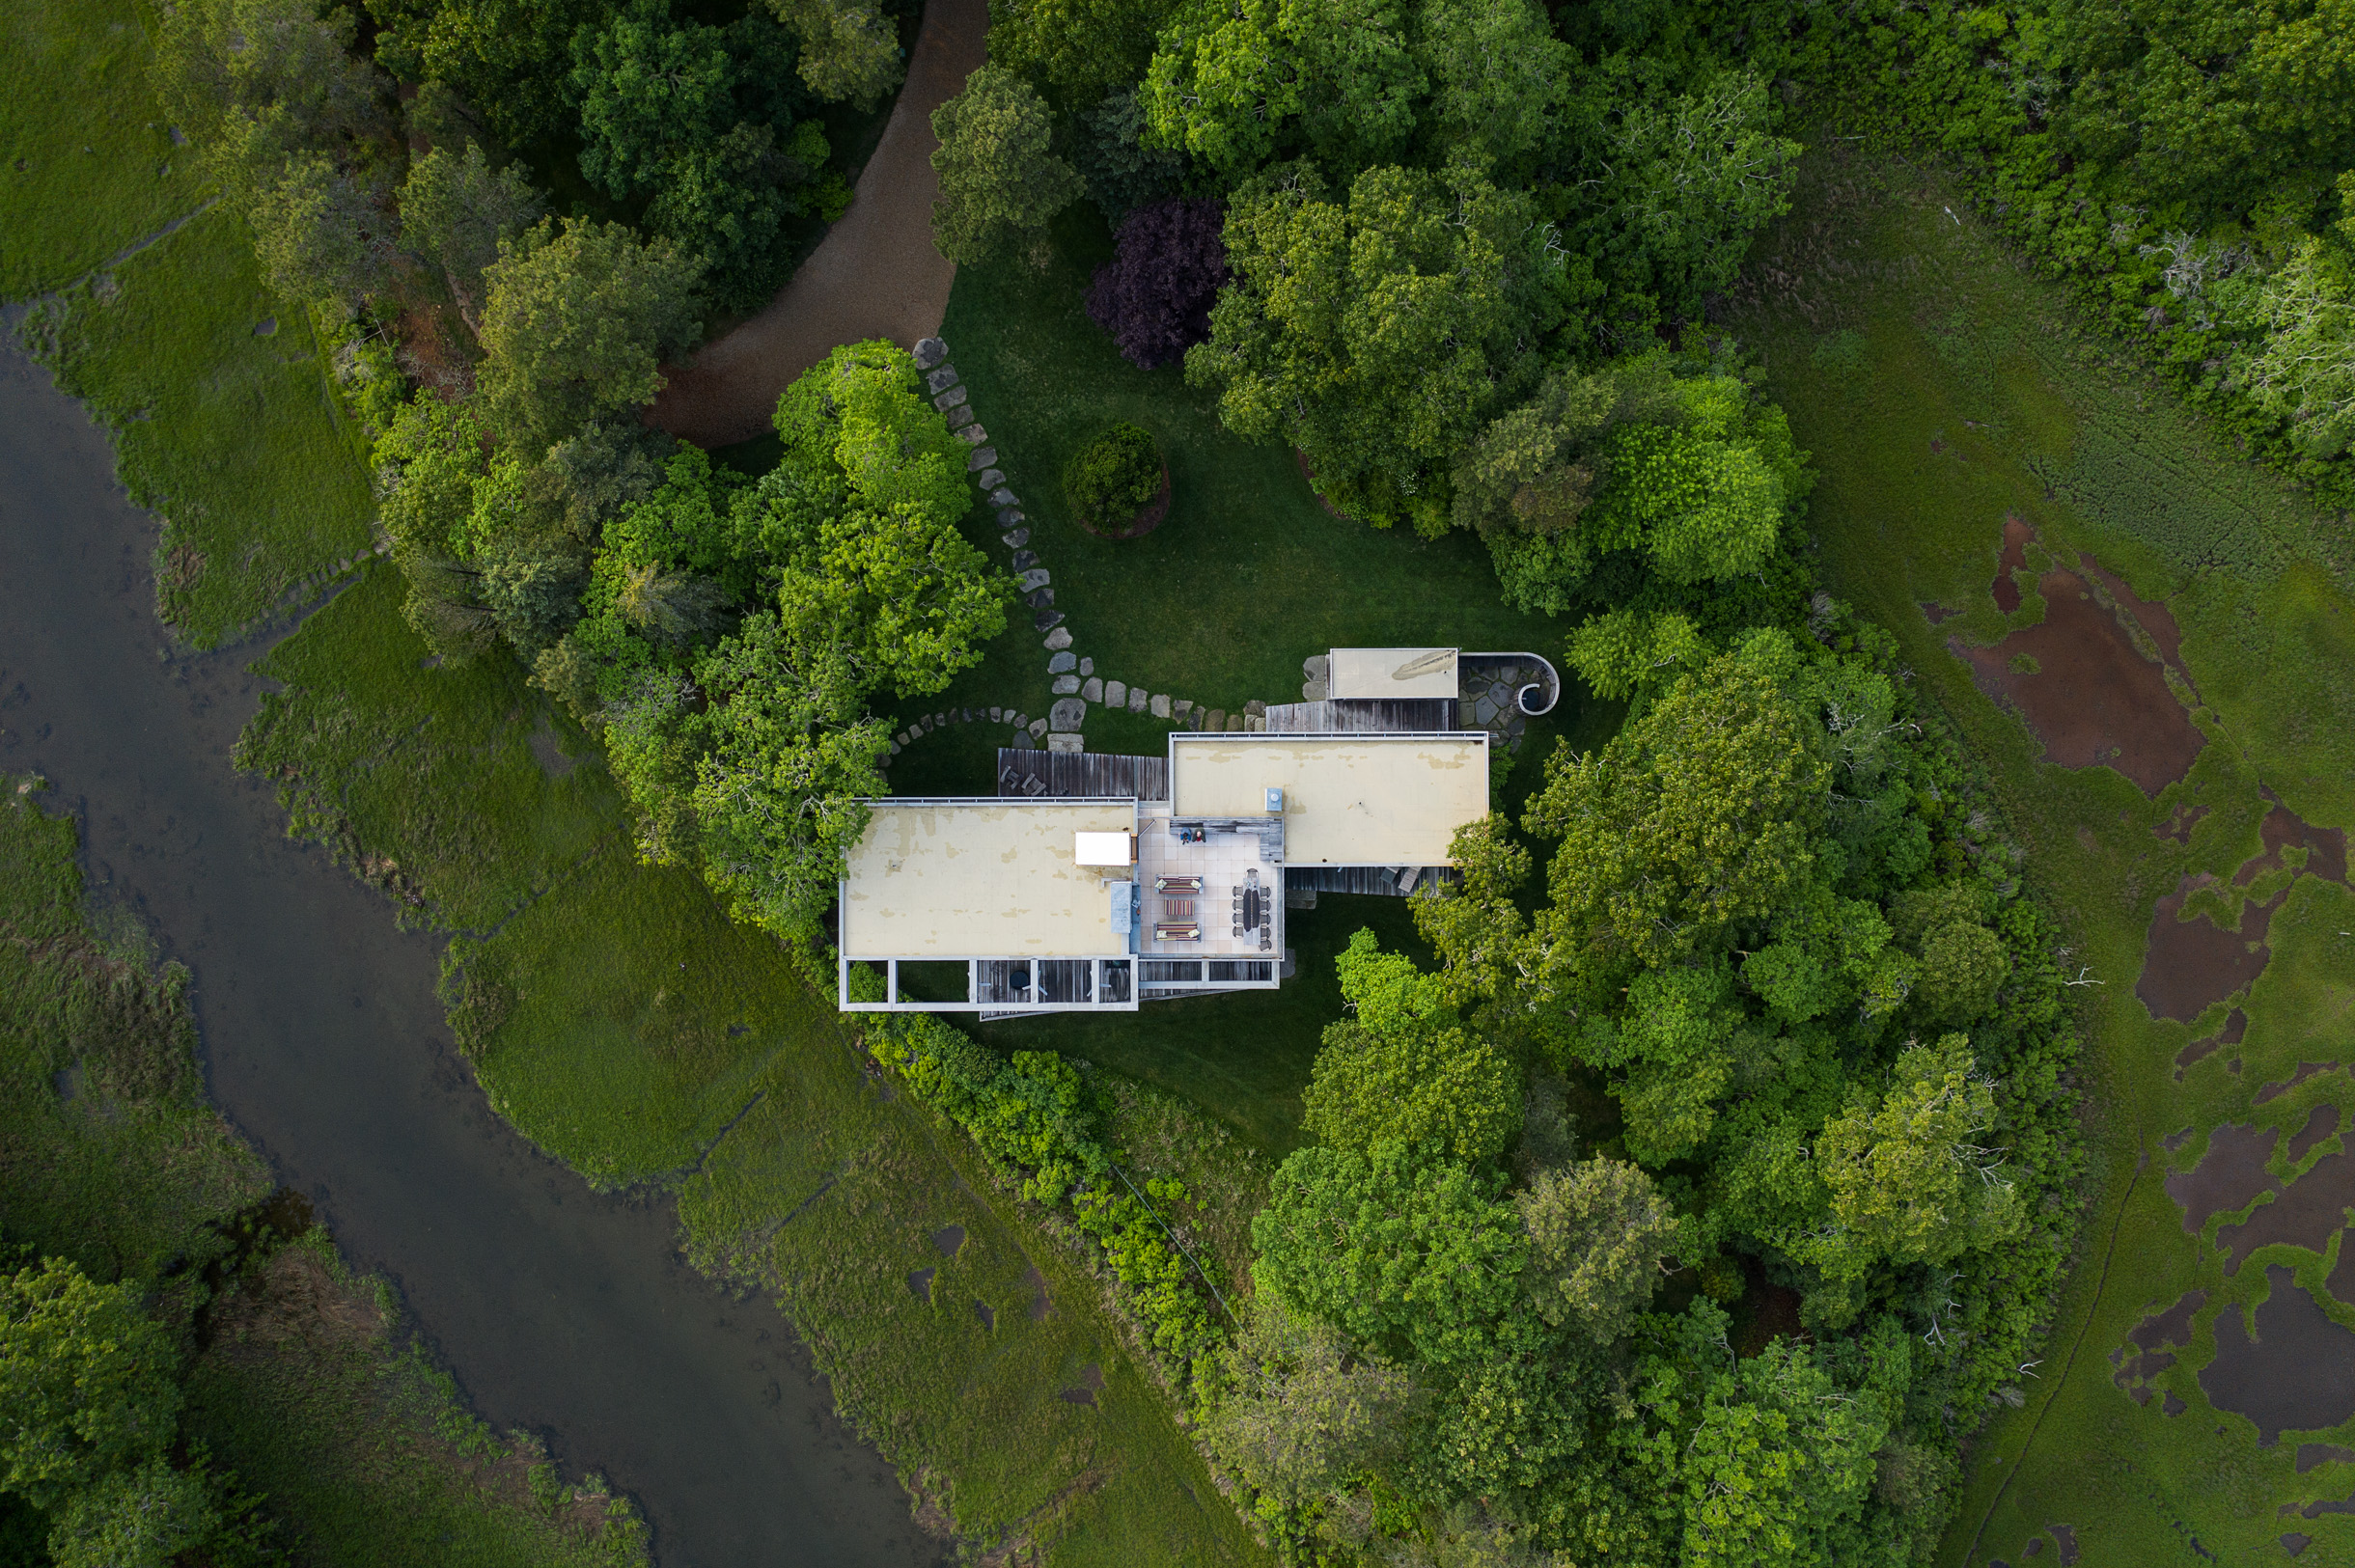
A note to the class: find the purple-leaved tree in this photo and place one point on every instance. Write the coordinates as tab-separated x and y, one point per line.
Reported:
1155	294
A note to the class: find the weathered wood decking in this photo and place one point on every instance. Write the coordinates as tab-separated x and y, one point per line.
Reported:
1363	716
1082	775
1383	881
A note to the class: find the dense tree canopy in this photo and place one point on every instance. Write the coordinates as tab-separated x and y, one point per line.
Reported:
1000	186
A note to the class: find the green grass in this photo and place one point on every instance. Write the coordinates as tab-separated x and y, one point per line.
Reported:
1247	577
306	1380
108	1154
235	437
473	791
87	165
622	1019
301	1381
1940	389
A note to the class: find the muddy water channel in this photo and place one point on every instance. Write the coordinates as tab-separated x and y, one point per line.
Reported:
557	1309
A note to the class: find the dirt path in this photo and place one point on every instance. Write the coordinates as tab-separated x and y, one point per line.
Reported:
875	275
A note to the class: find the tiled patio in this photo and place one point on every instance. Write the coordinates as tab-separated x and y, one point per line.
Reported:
1224	862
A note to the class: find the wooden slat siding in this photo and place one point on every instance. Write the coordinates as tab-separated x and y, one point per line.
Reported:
1082	775
1380	881
1363	716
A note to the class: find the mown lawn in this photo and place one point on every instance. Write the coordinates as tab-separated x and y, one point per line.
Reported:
1247	577
1941	390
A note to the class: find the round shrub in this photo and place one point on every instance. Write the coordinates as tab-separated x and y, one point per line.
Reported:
1113	478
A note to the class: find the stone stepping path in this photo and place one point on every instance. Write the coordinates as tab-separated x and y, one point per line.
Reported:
1072	677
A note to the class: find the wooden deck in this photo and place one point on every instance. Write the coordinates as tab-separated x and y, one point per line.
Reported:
1081	776
1363	716
1381	881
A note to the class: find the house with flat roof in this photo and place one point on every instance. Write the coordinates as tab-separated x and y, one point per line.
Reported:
1096	882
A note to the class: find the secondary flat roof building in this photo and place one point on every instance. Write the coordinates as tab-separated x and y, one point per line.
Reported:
1005	905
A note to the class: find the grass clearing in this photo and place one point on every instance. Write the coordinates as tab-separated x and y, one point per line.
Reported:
1941	390
1248	576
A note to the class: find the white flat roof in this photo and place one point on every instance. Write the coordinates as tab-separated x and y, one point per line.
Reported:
1374	671
1349	800
980	879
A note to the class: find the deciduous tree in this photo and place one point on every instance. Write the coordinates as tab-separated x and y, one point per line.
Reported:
580	317
86	1384
1701	813
1406	1069
1598	1232
1000	186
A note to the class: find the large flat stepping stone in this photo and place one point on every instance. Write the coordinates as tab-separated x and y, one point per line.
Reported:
1067	685
1161	705
981	458
1003	497
929	351
1068	713
975	434
989	479
961	415
1046	620
1025	560
1059	662
1015	537
951	398
1058	639
1035	577
1116	694
1067	743
1093	691
1139	699
942	379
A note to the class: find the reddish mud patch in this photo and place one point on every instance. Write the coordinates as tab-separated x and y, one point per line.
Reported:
2297	1374
2305	1214
2326	849
2306	1070
2229	1177
2014	557
2144	1355
2321	1124
948	1239
1091	1383
2293	1543
2067	1536
1039	1305
2153	617
2087	692
2235	1024
2193	964
2178	827
1935	613
920	1284
986	1313
2174	1407
2312	1455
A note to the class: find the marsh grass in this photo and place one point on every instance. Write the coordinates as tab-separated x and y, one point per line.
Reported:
458	789
302	1381
233	436
88	166
1940	390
